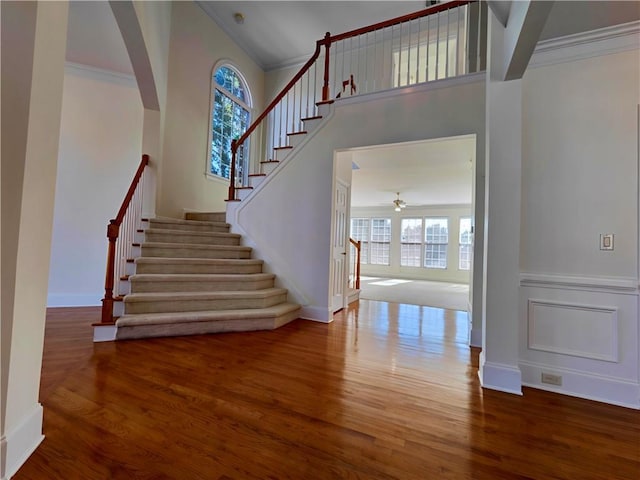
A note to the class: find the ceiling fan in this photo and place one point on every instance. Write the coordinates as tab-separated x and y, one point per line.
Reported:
399	204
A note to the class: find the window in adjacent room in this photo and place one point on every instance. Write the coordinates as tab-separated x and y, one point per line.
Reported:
230	118
411	242
436	241
464	252
360	231
380	241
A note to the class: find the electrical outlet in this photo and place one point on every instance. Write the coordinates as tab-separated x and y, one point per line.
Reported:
551	379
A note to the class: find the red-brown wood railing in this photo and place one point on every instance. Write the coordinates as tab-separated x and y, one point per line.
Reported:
452	34
354	279
121	232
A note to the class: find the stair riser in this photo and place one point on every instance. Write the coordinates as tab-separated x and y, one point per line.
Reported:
192	239
202	305
200	328
197	269
193	253
189	228
206	217
201	286
280	155
295	140
311	125
243	193
269	167
255	181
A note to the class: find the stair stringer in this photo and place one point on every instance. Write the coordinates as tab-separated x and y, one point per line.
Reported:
271	256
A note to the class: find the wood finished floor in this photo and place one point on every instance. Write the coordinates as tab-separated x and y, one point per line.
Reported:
386	391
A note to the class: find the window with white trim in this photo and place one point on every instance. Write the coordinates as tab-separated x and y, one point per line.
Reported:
360	231
464	244
411	242
230	118
380	241
436	231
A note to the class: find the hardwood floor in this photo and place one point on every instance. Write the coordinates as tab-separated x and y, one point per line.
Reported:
386	391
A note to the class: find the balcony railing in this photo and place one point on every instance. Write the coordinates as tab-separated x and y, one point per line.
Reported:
443	41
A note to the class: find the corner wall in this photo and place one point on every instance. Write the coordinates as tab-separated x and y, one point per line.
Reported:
197	43
579	304
99	152
290	221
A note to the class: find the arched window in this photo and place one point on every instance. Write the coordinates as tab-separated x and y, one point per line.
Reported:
230	117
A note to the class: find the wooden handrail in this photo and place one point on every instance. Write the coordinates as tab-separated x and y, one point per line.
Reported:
113	231
131	191
235	144
326	42
358	245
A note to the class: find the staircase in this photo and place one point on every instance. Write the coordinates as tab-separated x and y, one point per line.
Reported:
193	277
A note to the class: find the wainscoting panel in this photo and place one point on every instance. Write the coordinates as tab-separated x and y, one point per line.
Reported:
581	337
572	329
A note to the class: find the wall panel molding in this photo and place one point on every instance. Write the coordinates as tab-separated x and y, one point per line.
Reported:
619	286
579	330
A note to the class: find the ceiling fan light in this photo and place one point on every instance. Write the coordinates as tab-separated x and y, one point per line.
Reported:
397	209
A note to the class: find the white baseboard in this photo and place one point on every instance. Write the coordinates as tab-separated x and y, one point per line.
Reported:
317	314
71	300
475	337
106	333
615	391
20	443
496	376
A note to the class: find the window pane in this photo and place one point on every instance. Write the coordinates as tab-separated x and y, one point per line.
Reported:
230	120
380	240
411	242
464	254
436	239
360	231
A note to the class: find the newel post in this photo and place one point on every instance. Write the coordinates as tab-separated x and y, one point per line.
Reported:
325	86
358	264
232	175
113	230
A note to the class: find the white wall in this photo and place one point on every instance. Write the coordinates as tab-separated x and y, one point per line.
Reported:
197	43
450	274
100	150
578	304
288	219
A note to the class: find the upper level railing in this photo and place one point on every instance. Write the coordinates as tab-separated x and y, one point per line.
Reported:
442	41
121	232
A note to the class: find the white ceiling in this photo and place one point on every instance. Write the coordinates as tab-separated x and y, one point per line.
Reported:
277	33
94	39
430	172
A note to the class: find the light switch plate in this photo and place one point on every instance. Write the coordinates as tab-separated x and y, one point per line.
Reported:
606	241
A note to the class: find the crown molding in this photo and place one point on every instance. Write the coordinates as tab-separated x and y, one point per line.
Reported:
96	73
604	41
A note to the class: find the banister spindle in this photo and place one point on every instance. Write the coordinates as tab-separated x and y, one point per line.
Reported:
325	87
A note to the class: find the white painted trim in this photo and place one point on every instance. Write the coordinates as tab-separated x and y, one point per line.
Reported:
500	377
104	333
613	314
20	443
600	388
74	300
100	74
417	88
475	337
604	41
619	285
316	314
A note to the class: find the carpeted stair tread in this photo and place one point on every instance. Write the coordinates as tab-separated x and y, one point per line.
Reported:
199	261
169	265
197	233
196	246
182	296
193	277
179	221
205	316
